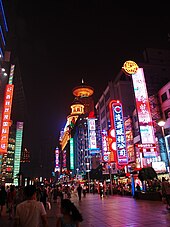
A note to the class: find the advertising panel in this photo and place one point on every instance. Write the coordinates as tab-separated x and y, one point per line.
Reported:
143	108
117	124
57	161
6	118
18	146
105	152
71	154
92	136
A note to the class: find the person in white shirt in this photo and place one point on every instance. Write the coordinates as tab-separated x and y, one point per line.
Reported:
30	212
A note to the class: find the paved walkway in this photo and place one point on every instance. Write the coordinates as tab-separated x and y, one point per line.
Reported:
113	211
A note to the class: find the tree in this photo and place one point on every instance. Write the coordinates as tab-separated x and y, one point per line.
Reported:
147	173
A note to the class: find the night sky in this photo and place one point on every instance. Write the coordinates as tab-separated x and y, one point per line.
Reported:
61	42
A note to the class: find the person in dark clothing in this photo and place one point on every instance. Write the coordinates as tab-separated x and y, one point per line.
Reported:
70	215
3	198
43	197
79	191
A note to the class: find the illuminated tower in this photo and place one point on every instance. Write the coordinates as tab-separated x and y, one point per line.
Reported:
84	94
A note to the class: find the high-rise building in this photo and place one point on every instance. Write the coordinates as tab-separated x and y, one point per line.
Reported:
9	67
84	94
156	70
79	140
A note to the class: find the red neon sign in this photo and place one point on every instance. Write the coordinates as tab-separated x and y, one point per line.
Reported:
6	118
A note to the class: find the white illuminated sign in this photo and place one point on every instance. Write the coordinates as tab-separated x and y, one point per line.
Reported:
143	108
92	135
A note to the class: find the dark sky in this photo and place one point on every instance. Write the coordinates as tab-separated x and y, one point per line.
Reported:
60	42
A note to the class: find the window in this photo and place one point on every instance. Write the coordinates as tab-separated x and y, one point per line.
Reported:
166	112
101	104
104	125
107	96
103	114
164	97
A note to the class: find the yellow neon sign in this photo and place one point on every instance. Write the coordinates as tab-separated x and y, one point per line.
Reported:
130	67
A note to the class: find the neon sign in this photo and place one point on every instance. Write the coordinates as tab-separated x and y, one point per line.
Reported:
92	135
6	118
143	108
71	154
130	67
118	132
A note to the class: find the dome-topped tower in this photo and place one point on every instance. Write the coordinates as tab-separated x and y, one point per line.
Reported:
83	90
77	108
84	94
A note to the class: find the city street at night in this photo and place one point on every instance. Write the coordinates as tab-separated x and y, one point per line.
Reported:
113	211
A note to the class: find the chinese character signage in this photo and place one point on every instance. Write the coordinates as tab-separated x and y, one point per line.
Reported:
92	135
6	118
143	108
57	161
117	124
105	151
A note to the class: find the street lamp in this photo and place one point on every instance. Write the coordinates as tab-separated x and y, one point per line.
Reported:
161	123
110	175
77	173
88	174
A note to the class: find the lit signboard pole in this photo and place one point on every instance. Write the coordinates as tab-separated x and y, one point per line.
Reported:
142	106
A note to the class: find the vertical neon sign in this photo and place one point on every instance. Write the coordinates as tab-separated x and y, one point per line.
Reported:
143	108
18	145
71	154
92	135
6	114
57	166
6	118
64	159
105	152
118	132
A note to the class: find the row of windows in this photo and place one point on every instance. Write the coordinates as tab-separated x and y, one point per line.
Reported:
107	96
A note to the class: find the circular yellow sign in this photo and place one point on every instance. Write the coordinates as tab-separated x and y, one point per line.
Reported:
130	67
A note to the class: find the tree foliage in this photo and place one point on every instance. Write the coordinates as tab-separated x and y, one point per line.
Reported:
147	173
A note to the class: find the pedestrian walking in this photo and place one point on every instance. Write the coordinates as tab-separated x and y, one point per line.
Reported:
11	194
43	196
70	215
30	212
84	190
3	198
79	191
166	192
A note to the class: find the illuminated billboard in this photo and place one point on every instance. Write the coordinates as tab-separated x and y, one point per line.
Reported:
143	108
64	159
18	146
57	160
6	118
92	136
117	132
71	154
105	151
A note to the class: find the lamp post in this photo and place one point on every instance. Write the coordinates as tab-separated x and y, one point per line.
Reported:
88	174
110	175
77	173
161	123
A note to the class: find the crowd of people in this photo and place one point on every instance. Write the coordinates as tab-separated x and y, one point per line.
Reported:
28	205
